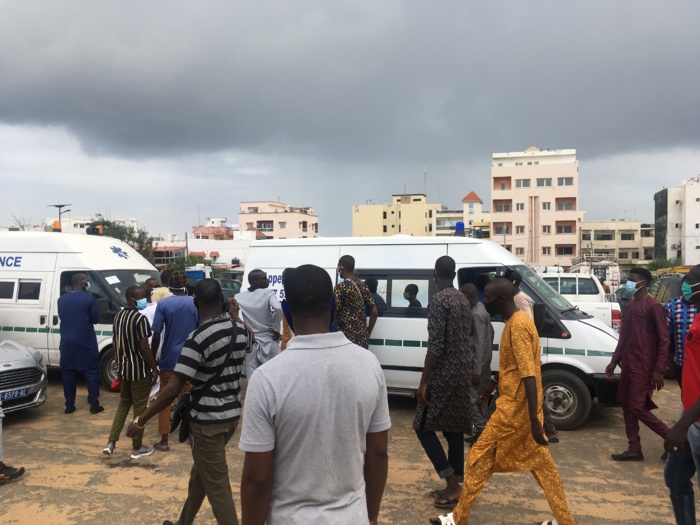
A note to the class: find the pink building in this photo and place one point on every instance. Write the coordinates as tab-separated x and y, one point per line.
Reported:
534	205
277	220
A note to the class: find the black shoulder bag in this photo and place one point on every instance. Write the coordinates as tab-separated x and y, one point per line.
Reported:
187	402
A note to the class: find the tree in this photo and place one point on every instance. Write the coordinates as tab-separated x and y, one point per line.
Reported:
137	239
658	264
180	263
20	223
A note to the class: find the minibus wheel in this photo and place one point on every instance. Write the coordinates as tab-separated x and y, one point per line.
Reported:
567	397
108	367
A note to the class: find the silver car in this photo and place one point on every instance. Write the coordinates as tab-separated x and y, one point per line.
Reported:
23	378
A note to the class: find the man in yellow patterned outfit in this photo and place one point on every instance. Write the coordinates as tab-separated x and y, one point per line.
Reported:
513	439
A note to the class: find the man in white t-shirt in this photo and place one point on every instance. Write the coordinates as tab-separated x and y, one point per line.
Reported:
315	428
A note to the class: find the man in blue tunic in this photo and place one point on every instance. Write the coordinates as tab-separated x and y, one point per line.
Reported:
78	312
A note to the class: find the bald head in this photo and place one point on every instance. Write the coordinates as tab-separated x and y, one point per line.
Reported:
470	292
500	287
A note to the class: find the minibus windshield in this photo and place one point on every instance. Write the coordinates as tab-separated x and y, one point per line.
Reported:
538	285
119	280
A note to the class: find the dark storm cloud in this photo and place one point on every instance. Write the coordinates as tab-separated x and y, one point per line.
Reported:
354	81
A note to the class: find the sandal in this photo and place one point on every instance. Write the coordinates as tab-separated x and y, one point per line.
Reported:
445	519
444	503
435	494
162	448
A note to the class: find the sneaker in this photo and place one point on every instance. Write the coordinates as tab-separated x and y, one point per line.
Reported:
69	410
143	451
109	448
8	473
97	409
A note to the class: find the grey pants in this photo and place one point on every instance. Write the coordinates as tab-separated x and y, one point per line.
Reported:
209	476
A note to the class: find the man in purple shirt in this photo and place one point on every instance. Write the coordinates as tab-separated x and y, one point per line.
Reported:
78	348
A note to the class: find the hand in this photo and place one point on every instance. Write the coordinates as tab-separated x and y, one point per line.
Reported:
275	336
538	432
422	394
486	392
233	308
675	438
154	377
476	380
131	430
610	370
657	380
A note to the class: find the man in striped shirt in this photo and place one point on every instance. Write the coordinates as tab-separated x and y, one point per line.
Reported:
137	368
213	421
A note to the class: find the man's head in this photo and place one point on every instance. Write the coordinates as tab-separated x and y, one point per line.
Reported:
79	281
257	279
309	292
499	297
471	292
152	283
514	278
690	287
372	284
165	277
481	281
149	291
445	268
177	282
638	279
410	292
346	266
133	295
208	297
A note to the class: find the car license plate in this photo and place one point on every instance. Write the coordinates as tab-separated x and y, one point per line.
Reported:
14	394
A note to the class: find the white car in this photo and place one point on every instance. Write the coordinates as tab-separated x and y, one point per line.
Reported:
23	378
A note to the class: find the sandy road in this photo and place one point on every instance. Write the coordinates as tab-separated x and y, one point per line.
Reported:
70	481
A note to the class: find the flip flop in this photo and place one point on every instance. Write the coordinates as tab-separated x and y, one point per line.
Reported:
159	446
445	519
444	503
435	494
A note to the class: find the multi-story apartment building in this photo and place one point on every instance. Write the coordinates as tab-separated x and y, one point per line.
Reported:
407	215
677	220
534	205
471	215
630	242
277	220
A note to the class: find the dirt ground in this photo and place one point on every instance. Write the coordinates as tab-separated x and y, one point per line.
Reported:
70	481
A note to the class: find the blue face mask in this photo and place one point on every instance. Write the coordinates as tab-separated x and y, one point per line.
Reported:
631	286
340	278
141	304
687	291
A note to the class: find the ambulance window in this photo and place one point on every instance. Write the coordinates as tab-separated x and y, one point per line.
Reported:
409	293
29	290
7	289
377	288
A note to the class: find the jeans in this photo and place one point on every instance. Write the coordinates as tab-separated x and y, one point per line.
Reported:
92	377
678	475
445	465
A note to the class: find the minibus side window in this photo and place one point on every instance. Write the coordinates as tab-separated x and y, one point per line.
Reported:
410	293
400	293
377	287
7	289
553	282
587	287
567	286
29	290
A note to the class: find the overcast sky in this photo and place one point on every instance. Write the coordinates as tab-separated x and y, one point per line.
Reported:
149	109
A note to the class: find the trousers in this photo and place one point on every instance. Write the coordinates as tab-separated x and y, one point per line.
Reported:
445	464
92	377
209	475
547	476
164	415
132	393
632	416
679	472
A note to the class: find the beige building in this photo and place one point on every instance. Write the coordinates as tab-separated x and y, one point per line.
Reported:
472	215
406	215
630	242
535	206
276	220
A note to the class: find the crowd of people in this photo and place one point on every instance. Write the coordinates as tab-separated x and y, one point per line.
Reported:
210	347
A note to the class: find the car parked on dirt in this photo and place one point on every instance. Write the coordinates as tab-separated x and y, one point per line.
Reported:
23	377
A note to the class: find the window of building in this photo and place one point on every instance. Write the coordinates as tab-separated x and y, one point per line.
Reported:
546	206
500	164
546	250
635	255
283	225
678	225
498	230
416	200
565	181
623	255
520	251
502	207
519	206
252	210
522	183
430	214
392	212
697	225
520	229
248	224
546	229
565	250
544	182
565	228
503	185
603	236
537	162
565	206
627	236
384	215
518	163
471	207
586	236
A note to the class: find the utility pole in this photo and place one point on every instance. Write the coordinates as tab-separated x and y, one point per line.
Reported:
60	211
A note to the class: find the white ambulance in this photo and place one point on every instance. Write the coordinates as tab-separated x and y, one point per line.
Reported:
36	269
575	346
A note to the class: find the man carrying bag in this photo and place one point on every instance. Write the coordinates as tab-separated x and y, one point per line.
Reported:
216	347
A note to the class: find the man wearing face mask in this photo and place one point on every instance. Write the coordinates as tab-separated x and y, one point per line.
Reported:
642	352
352	300
136	365
410	293
78	312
